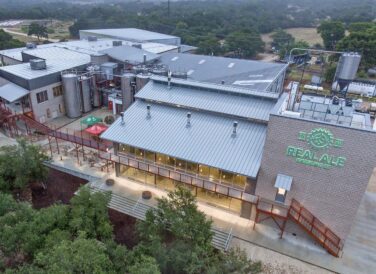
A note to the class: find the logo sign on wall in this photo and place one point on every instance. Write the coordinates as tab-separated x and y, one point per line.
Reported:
318	142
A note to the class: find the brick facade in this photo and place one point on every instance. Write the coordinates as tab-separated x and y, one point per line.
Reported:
332	195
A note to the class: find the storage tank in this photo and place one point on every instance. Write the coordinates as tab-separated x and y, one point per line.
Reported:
85	94
348	66
127	90
108	70
96	94
98	58
71	95
141	81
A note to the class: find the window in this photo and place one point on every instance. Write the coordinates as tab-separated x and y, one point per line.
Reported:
281	195
58	91
42	96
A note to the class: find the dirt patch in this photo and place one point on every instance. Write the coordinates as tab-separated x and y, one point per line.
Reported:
59	187
124	228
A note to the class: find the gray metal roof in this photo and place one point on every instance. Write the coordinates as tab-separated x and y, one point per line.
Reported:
237	72
57	60
283	181
130	54
248	107
131	34
208	141
213	86
11	92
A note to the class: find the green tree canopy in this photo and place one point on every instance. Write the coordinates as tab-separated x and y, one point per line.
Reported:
21	164
362	39
331	32
245	44
38	30
282	39
7	41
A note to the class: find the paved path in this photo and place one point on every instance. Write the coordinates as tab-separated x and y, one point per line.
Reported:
32	36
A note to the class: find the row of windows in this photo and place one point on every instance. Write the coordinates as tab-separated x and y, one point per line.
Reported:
43	95
212	173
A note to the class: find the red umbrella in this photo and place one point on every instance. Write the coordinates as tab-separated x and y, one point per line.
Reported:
96	129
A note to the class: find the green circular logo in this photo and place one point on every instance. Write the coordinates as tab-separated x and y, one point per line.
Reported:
320	138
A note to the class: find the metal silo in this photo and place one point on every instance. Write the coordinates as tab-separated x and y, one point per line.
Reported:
348	66
127	89
71	95
85	94
96	94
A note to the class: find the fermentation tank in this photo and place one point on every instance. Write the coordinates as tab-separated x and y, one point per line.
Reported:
127	89
72	96
85	94
347	68
96	94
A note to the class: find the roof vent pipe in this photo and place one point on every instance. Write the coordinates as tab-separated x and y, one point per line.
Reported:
122	118
169	74
144	59
235	125
188	120
222	82
148	115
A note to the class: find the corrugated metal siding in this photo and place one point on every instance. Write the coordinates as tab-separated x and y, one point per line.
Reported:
208	141
210	100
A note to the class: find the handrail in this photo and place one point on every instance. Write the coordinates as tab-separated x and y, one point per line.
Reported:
315	227
227	243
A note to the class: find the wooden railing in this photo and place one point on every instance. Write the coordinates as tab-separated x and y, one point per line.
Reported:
190	179
327	238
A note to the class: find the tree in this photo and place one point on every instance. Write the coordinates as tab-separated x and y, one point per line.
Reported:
331	32
89	213
79	256
209	45
7	42
244	44
20	165
282	39
145	265
38	30
299	44
362	39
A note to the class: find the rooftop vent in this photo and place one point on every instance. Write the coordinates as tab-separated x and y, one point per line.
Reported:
235	125
117	43
38	64
222	82
169	74
92	38
188	120
139	46
148	115
30	45
144	59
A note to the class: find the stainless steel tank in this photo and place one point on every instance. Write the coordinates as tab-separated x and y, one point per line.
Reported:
348	66
141	81
95	92
127	90
86	94
72	96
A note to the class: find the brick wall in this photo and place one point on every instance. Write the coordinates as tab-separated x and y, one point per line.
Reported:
332	195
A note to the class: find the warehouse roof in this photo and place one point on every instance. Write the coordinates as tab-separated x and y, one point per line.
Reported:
213	69
58	59
208	141
130	54
248	107
11	92
131	34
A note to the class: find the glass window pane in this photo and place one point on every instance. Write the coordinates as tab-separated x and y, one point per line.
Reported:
180	164
204	171
161	159
171	161
140	153
214	173
227	177
150	156
192	167
240	180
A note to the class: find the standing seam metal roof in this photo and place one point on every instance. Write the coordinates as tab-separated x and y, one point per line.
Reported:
208	141
243	106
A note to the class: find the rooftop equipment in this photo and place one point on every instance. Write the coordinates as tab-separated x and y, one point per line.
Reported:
148	115
108	70
347	68
235	125
188	120
92	38
30	45
38	64
127	89
117	43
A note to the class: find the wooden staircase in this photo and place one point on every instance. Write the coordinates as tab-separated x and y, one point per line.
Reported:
321	233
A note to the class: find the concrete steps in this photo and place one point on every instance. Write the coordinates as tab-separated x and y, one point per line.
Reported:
221	240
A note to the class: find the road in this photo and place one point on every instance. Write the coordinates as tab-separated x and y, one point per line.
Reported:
33	36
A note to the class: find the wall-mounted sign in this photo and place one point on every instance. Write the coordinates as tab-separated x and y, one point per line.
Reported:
319	141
